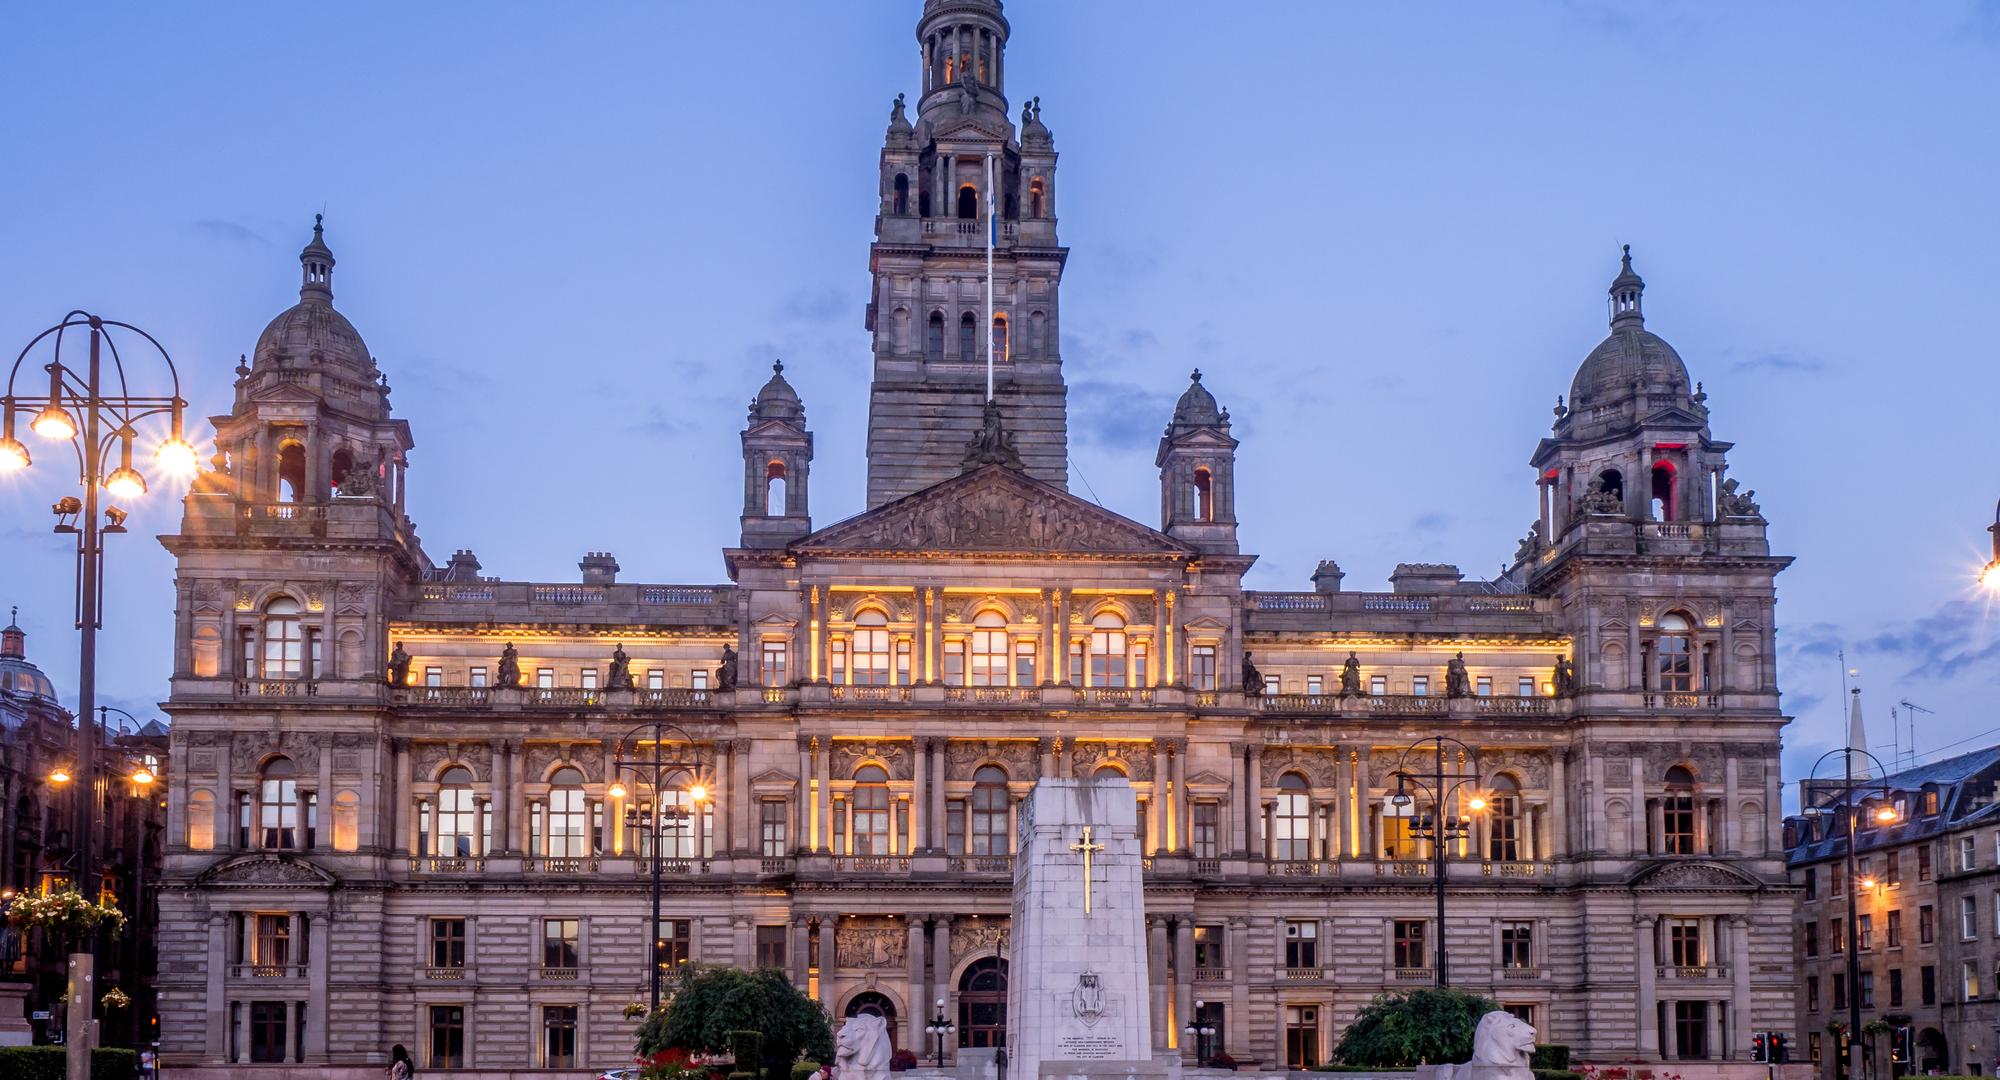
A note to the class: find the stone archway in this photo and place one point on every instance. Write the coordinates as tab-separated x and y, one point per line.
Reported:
982	1003
875	1003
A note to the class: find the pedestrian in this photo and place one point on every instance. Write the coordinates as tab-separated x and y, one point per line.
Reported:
400	1065
147	1064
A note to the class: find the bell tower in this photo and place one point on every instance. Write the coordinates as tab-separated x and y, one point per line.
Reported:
1197	463
777	458
930	266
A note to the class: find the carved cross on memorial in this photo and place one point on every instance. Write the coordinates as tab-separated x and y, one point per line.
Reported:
1087	848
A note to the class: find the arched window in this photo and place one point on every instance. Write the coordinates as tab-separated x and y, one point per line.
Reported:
565	835
457	816
989	811
1108	772
284	641
341	464
1673	654
1291	820
1503	812
1204	495
902	194
1107	650
871	811
291	472
1665	506
278	802
982	1003
678	814
346	821
1677	834
1614	482
871	648
875	1003
968	336
934	337
200	820
1035	190
989	649
968	202
774	489
1000	338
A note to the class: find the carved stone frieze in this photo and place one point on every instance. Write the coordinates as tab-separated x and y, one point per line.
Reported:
964	756
249	749
1532	766
895	756
1136	759
871	946
1320	767
976	938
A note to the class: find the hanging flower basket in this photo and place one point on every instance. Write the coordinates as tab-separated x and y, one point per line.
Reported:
116	999
634	1010
66	913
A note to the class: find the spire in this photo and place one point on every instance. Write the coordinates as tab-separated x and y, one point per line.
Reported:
316	266
1626	289
13	640
1857	739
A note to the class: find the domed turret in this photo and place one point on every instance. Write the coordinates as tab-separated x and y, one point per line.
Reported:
777	462
1632	360
1197	463
1197	405
311	333
777	400
17	674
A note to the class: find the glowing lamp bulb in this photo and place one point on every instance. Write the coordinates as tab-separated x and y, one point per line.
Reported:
616	790
125	482
176	455
1886	815
59	776
1990	577
698	793
1868	883
1476	804
13	456
142	776
53	423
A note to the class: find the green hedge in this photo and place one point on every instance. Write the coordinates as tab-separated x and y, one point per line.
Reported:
1553	1056
804	1070
47	1063
1557	1074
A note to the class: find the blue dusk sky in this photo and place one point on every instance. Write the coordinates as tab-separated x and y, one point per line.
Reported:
576	236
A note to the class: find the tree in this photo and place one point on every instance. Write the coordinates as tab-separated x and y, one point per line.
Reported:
714	1001
1423	1027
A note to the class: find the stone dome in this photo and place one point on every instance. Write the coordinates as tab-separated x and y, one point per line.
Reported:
17	674
1197	405
777	399
1632	358
311	332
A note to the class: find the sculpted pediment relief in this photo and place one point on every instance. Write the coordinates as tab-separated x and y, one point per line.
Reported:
991	509
267	870
1693	876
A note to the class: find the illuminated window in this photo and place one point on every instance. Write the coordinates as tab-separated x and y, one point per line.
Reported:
1408	941
871	811
278	802
968	204
201	820
565	838
1503	809
1035	193
1000	338
1517	944
1107	650
989	811
284	642
871	648
1684	943
989	649
770	663
1291	820
457	816
1673	655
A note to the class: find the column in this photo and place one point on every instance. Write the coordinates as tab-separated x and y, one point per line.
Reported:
1712	1017
500	793
1739	987
1656	814
743	825
802	824
218	969
1161	645
937	615
941	972
1251	795
517	800
1639	808
920	802
1558	821
1732	829
1598	838
1051	632
1238	1015
1049	768
918	995
1156	808
829	957
801	952
1156	966
1183	976
823	768
1183	806
1649	1012
1059	641
317	985
1239	815
401	842
1728	657
937	748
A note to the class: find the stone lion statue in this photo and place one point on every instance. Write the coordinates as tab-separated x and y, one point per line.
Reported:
1502	1046
861	1051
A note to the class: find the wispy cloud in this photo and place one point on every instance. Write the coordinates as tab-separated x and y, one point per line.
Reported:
1819	641
1431	522
234	232
656	424
823	304
1117	414
1954	641
1779	363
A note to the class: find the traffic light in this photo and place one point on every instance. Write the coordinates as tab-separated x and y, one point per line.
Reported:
1760	1046
1902	1048
1781	1049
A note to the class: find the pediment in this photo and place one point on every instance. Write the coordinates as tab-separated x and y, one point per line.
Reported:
1673	417
253	870
974	126
773	778
284	393
1208	779
776	620
1693	877
990	509
1206	622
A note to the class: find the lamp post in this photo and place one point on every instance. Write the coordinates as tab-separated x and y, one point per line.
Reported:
938	1029
656	772
110	411
1436	827
1201	1030
1990	577
1885	814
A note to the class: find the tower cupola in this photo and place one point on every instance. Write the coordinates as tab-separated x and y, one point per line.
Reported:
316	266
964	49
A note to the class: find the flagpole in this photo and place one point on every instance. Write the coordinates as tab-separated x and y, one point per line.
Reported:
992	227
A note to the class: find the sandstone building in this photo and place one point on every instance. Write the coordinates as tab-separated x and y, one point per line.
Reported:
450	860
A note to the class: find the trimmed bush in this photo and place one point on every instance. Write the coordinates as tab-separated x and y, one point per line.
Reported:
1553	1056
47	1063
804	1070
1557	1074
1422	1027
716	1006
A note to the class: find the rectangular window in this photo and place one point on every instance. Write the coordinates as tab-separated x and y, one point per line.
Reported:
698	679
1201	667
1378	685
1892	867
1968	979
273	943
1315	685
1076	663
1141	673
1684	943
1301	1036
1967	853
1517	944
1206	818
1208	948
1838	938
559	1036
1812	938
1812	993
559	944
772	663
1409	950
1024	662
1895	987
545	678
1526	686
1839	990
1867	985
1272	686
1924	862
447	943
771	946
447	1037
589	678
1927	984
433	676
477	678
1968	917
1420	685
242	819
903	662
771	827
1864	929
1894	929
954	827
247	644
1812	883
676	935
1812	1047
1302	944
656	679
1691	1029
1926	924
1836	876
954	662
1483	686
267	1030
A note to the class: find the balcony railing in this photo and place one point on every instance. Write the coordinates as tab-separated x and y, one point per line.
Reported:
1681	701
1301	868
673	867
676	699
572	595
1403	868
1525	705
870	694
872	864
1208	867
1691	972
277	688
565	696
560	866
1301	974
980	864
431	864
446	696
1211	974
1105	695
267	971
560	974
1412	975
776	864
992	695
1519	974
283	518
675	594
444	974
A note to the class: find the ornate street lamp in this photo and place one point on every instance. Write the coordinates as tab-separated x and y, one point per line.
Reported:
96	411
1436	826
1843	802
1201	1030
939	1029
659	773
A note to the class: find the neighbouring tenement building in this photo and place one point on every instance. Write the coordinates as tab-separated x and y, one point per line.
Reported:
1927	921
448	861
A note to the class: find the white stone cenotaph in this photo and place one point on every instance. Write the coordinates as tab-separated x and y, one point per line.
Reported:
1076	982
